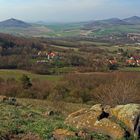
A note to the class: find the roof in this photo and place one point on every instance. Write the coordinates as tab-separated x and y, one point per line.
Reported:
136	57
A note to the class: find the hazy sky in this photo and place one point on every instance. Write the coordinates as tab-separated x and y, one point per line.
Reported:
67	10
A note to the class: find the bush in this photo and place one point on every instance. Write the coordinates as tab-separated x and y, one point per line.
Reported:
118	92
26	82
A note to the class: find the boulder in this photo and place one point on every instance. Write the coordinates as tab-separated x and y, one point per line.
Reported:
130	115
84	118
109	128
3	98
100	119
12	101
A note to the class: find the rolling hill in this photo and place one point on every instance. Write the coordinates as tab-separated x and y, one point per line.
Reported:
133	20
91	28
106	23
14	23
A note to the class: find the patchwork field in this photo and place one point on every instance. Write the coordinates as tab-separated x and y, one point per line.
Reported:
18	73
70	29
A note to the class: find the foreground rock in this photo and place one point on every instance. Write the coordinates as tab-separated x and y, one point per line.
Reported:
129	115
8	100
62	134
106	120
3	98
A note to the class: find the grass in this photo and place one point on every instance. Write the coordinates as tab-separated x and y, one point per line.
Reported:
18	73
117	30
64	70
65	47
29	117
68	30
130	48
130	69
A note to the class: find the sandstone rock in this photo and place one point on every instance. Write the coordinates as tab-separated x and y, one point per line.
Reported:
129	114
95	119
98	119
84	118
77	113
3	98
109	128
62	134
97	107
12	101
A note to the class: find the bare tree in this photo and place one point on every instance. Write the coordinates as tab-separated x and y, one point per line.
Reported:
118	92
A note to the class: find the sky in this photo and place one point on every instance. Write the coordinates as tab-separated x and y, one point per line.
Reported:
67	10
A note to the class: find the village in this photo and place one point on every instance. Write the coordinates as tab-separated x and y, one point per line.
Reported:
46	57
133	61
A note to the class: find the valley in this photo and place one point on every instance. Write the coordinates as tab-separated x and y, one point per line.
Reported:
52	74
99	28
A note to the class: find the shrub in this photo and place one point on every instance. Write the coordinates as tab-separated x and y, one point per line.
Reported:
118	92
26	82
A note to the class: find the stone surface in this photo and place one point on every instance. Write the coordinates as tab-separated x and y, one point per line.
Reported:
129	114
84	118
62	134
99	119
3	98
109	128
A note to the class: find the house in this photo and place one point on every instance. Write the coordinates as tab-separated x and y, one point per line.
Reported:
133	61
51	55
134	36
48	55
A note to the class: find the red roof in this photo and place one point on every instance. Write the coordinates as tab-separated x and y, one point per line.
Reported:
136	57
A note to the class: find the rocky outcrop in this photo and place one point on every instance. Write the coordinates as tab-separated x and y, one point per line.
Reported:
107	120
130	115
3	98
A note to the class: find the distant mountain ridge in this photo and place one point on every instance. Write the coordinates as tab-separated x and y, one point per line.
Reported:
14	23
86	28
114	21
132	20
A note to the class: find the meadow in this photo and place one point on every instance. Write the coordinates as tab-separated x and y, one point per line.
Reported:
17	74
30	119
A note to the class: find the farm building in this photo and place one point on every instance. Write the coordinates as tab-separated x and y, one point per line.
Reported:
51	55
44	56
48	55
133	61
134	36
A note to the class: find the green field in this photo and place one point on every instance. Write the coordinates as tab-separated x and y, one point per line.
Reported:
18	73
29	118
117	30
69	30
130	69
